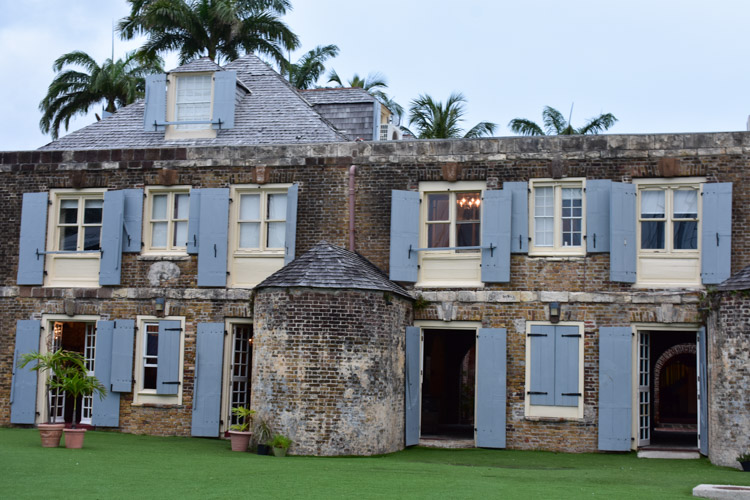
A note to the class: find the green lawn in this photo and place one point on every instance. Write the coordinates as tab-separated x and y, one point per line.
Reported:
113	465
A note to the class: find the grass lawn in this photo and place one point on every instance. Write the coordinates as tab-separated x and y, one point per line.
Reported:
113	465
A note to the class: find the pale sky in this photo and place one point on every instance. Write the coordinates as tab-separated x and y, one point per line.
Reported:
659	66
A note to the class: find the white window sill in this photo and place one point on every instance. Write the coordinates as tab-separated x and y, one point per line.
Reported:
557	256
163	256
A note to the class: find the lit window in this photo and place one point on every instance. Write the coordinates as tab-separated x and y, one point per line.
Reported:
453	219
557	218
193	101
167	229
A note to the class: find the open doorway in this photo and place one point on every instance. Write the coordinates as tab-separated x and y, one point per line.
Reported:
668	389
239	382
448	384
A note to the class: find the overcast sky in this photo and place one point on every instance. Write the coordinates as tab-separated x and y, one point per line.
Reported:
657	65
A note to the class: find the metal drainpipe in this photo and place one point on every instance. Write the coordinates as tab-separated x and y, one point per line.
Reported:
352	173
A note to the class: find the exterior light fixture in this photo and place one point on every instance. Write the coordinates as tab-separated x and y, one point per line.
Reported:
554	312
159	306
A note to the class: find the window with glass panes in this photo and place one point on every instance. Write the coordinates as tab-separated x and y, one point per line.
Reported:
242	362
79	223
668	219
150	356
193	101
168	220
262	220
557	217
453	219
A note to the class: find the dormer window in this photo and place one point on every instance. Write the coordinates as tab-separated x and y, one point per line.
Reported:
193	101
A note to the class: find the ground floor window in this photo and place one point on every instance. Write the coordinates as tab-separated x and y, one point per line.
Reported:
159	360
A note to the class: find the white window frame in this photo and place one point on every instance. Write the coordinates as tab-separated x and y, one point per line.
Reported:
669	256
226	387
172	131
454	263
557	248
88	278
556	412
170	249
143	396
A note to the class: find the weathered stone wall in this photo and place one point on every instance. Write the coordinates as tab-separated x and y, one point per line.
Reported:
328	369
729	378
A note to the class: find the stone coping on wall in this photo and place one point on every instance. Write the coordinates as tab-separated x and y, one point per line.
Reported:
409	152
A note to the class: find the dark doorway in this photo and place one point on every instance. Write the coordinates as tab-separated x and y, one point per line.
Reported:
79	337
448	384
674	389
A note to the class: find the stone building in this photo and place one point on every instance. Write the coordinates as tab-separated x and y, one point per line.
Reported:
557	280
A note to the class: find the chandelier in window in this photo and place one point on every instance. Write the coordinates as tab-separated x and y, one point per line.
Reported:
469	201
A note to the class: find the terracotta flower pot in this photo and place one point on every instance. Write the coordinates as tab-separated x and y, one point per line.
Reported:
51	434
74	438
240	440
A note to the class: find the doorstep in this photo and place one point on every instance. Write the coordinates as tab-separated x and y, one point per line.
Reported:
675	453
431	442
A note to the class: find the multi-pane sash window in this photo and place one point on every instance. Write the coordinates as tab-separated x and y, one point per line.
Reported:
453	219
669	219
557	218
193	101
262	221
150	355
79	224
169	220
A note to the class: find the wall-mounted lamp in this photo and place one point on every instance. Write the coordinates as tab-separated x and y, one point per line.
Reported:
159	306
554	312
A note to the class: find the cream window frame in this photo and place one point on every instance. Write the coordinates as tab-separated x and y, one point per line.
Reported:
557	248
226	377
143	396
172	131
441	268
86	265
536	412
170	249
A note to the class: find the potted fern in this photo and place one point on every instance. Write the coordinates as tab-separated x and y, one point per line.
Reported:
54	364
240	432
744	461
280	444
76	382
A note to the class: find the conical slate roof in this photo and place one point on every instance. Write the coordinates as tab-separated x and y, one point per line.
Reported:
738	281
329	266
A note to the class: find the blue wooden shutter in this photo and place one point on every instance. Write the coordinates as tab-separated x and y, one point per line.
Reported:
105	412
113	213
122	356
519	237
496	220
703	396
33	233
132	220
597	215
209	351
155	104
716	244
225	88
491	387
23	386
542	383
567	366
194	221
212	237
404	235
168	357
411	379
615	392
291	223
623	250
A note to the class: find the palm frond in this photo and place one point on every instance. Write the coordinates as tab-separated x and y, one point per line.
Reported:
599	124
523	126
481	129
554	121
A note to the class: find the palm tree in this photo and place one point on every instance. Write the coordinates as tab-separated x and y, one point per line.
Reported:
437	121
305	72
374	83
73	92
219	29
555	124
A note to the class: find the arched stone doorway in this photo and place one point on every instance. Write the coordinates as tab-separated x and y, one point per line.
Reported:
675	389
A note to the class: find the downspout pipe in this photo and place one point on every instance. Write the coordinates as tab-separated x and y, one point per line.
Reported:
352	174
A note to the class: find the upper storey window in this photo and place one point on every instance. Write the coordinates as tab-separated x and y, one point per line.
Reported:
453	219
557	218
167	229
193	101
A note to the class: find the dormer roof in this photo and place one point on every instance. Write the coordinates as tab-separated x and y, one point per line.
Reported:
197	65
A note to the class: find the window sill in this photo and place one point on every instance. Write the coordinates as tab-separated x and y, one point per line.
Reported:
157	405
163	256
557	256
529	418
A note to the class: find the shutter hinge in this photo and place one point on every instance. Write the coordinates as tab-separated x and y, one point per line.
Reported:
536	393
570	394
572	335
172	330
226	332
172	383
537	335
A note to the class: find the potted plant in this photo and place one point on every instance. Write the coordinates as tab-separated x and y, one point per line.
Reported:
240	433
744	461
54	363
76	382
263	435
280	444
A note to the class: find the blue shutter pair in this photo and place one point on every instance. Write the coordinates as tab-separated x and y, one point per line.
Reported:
208	232
491	387
554	365
122	213
155	105
504	231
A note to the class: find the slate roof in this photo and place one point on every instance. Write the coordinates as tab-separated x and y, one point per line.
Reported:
337	95
739	281
329	266
273	112
202	64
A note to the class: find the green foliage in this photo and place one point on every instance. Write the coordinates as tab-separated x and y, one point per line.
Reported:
305	72
262	431
420	303
76	382
72	92
433	120
745	457
246	414
218	29
280	441
555	124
